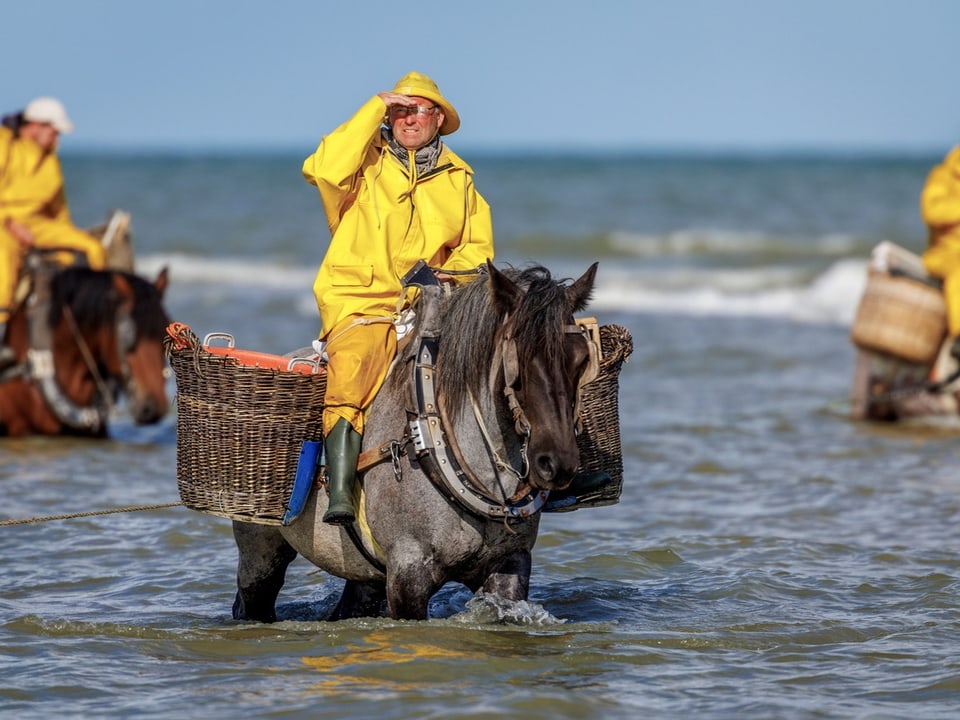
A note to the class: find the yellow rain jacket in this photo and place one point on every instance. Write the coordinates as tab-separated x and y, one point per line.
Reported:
940	210
32	192
383	218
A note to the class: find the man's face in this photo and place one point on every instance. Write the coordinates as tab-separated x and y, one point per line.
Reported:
42	134
414	127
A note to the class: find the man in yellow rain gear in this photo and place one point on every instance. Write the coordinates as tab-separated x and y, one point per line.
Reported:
33	204
393	194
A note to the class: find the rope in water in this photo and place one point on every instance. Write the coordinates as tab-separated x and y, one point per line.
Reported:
131	508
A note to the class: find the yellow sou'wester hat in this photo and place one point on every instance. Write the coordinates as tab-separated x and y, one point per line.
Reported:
419	85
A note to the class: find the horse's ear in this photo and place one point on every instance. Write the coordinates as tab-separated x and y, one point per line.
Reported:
580	292
162	281
506	293
123	288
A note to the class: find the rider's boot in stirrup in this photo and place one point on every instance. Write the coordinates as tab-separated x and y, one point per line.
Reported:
342	449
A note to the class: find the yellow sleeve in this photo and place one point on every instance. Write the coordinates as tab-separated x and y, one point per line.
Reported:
332	168
476	246
940	199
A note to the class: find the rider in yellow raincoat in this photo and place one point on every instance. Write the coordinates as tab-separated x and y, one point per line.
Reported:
33	205
393	194
940	210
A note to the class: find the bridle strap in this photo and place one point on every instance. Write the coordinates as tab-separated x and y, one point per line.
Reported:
125	331
500	462
88	360
438	458
511	374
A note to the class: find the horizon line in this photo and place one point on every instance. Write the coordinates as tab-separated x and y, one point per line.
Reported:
521	151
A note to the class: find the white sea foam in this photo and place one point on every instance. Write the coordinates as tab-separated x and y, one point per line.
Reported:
772	291
252	272
829	298
694	241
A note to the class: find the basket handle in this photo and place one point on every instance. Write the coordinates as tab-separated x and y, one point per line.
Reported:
313	364
226	337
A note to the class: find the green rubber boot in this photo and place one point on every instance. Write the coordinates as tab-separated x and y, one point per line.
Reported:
342	449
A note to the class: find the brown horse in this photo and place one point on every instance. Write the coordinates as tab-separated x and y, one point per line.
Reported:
81	338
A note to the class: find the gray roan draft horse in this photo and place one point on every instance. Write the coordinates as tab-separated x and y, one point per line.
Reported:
497	423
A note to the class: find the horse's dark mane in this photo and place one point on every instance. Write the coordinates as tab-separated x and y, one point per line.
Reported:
94	301
470	325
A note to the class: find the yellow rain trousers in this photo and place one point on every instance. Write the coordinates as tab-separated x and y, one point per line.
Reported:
940	210
383	219
360	351
32	193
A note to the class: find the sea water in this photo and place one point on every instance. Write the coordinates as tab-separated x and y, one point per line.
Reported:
769	557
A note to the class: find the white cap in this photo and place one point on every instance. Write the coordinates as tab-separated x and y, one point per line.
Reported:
50	111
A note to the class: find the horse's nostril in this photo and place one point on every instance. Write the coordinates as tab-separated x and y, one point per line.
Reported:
546	466
146	411
556	467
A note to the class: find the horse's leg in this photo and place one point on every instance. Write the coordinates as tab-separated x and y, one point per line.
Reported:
360	599
510	579
264	557
409	589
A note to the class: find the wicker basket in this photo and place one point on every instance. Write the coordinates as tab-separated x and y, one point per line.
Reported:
599	440
241	419
900	316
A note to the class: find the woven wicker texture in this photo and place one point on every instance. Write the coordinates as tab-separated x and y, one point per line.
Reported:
239	431
239	427
599	440
900	316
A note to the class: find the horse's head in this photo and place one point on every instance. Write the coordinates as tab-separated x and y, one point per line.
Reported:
511	342
116	321
142	345
544	356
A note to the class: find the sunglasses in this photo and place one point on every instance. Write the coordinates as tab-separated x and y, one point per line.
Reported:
420	111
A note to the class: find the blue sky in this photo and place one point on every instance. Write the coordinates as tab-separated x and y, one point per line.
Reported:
630	74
